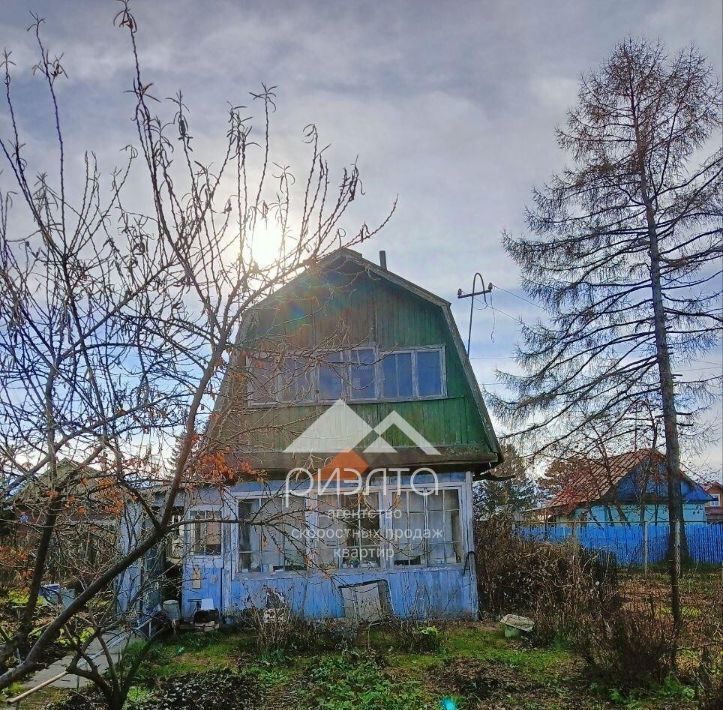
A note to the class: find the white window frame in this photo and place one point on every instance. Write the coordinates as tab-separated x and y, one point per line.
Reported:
386	527
313	371
345	366
191	521
374	364
237	535
427	541
381	544
257	355
415	379
236	552
377	395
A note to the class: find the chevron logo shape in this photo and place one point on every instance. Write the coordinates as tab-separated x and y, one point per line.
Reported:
340	429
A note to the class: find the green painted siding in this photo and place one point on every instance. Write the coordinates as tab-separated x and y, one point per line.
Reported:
344	308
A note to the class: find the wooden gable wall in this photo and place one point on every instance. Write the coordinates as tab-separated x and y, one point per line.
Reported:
341	309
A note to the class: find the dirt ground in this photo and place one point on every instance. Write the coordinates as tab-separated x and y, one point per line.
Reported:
469	666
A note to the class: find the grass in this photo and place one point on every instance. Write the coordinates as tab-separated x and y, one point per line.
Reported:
379	674
190	653
472	665
489	644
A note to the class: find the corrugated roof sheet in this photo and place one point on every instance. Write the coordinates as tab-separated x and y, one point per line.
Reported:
591	479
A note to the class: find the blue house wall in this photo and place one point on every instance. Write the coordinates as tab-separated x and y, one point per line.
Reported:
445	591
627	512
643	498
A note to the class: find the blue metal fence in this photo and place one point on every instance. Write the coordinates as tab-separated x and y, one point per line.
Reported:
632	543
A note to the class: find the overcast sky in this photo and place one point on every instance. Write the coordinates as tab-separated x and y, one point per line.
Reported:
451	106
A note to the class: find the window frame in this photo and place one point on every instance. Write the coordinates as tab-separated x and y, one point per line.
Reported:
310	375
385	544
356	516
345	366
427	543
374	364
260	355
415	377
342	366
412	372
191	520
255	505
257	501
377	393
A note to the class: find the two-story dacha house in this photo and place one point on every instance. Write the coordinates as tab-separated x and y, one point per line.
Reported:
353	394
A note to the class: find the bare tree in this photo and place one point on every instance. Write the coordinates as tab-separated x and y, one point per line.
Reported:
626	258
117	323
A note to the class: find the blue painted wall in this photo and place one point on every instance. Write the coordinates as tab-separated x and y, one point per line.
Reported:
627	541
448	591
631	513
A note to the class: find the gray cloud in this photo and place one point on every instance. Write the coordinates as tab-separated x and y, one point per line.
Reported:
450	105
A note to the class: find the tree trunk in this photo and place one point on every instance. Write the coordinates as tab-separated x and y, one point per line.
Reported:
26	621
677	546
667	385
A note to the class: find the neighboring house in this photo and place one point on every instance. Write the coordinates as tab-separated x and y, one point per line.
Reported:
347	373
85	532
714	507
629	487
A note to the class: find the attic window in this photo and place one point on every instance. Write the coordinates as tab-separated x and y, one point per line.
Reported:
297	380
413	374
356	375
429	373
397	374
361	374
331	377
262	378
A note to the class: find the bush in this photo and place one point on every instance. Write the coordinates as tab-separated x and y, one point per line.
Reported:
289	633
427	638
630	647
574	595
557	584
